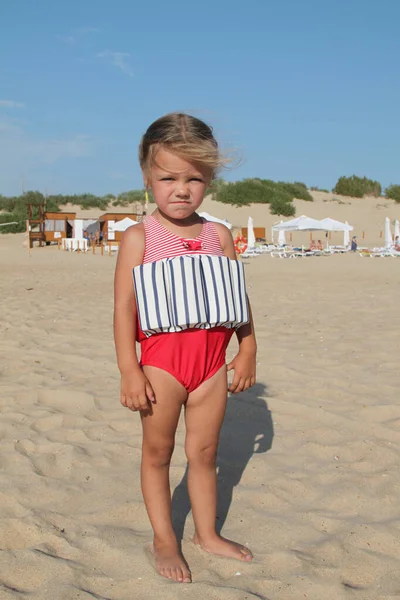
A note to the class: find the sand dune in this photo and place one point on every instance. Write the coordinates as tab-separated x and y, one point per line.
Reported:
367	215
308	461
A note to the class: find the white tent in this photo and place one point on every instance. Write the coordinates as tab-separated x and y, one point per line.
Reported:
302	223
208	217
388	234
122	225
396	229
251	238
333	225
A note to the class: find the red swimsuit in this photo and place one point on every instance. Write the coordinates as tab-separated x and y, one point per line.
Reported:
194	355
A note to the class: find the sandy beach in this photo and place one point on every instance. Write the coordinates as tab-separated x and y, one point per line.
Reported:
308	460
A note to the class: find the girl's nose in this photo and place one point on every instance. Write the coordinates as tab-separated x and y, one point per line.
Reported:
182	189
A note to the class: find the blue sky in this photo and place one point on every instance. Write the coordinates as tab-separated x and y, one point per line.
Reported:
305	89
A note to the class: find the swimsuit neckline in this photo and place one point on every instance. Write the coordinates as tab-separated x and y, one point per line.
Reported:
199	237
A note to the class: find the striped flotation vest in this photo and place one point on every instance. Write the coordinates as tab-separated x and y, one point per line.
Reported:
190	291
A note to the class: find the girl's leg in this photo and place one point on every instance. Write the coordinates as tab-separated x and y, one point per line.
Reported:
205	410
158	444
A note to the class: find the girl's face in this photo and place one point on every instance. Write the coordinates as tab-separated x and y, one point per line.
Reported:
178	186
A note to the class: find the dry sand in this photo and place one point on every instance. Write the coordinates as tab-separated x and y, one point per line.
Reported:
308	460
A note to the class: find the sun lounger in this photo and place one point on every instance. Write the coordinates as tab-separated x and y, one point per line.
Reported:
380	253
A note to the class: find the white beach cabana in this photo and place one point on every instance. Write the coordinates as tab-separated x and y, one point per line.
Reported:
251	238
388	234
302	223
122	225
209	217
333	225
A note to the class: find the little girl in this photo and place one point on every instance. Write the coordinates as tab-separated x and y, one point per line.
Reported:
187	299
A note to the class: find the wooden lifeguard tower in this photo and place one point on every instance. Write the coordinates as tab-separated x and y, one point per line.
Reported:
36	224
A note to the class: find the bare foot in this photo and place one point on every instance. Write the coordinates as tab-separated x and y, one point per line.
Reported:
170	563
222	547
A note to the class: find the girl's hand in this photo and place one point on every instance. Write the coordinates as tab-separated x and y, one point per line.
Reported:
244	367
136	391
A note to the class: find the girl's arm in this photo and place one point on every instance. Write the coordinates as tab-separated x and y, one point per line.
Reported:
130	255
244	364
135	389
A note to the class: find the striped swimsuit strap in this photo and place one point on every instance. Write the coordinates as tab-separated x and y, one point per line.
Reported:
161	243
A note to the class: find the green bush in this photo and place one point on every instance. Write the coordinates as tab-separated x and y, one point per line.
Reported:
280	207
315	188
259	191
297	190
130	197
393	192
241	193
357	187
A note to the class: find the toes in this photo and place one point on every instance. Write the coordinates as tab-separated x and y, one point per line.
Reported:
246	554
166	573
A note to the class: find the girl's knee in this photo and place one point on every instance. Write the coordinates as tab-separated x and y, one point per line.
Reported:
201	455
158	455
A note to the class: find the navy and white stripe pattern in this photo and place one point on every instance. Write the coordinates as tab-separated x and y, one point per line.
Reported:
190	291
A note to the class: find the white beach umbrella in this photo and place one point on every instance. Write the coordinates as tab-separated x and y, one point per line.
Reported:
346	237
388	234
251	238
396	229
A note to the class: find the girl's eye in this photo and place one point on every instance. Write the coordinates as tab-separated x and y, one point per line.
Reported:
197	179
167	179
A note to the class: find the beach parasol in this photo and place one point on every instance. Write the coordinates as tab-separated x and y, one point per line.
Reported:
388	234
251	238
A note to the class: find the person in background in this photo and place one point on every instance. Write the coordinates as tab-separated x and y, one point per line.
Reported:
313	246
397	243
319	245
354	244
86	237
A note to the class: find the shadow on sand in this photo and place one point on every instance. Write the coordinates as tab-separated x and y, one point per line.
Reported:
247	430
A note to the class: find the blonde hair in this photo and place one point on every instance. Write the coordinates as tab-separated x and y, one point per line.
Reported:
186	136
